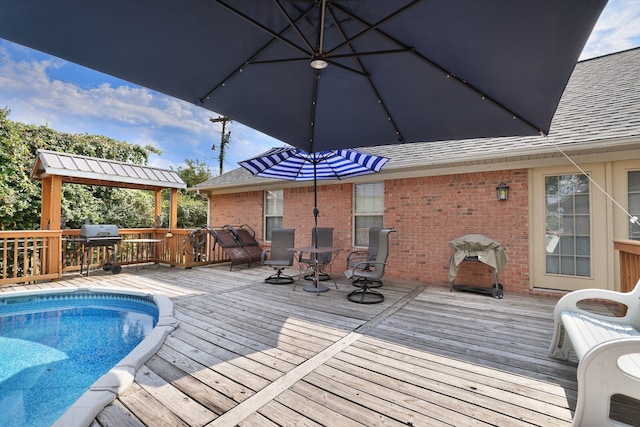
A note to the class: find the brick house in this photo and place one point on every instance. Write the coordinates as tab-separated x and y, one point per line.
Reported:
557	226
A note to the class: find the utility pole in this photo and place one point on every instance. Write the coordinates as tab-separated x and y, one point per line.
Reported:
224	140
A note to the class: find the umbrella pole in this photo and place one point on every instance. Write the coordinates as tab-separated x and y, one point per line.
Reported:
316	211
316	275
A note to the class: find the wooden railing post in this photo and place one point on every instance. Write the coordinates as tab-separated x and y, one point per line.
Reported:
629	263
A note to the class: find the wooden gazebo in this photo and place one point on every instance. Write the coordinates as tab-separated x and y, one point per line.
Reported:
54	169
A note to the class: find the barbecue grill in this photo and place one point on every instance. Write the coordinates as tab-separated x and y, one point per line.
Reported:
99	235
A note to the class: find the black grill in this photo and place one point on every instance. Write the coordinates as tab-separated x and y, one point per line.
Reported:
99	235
95	235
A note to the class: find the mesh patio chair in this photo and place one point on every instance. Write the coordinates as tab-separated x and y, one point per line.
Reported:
366	273
279	256
358	256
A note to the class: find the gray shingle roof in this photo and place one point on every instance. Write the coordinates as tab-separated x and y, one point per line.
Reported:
91	170
599	113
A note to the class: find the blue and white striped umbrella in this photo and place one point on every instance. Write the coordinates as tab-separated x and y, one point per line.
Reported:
294	164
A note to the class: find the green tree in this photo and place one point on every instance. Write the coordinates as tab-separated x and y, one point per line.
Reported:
196	172
17	189
20	203
192	208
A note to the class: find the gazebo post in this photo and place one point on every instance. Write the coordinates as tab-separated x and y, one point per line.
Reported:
173	210
157	216
51	208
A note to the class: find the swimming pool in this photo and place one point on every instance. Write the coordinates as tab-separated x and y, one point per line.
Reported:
65	354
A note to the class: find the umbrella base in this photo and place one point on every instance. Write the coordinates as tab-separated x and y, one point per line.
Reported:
321	276
310	287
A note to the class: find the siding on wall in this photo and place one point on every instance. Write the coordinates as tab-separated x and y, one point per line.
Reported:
427	213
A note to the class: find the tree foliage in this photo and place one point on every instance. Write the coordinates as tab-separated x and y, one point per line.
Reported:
20	196
196	172
192	208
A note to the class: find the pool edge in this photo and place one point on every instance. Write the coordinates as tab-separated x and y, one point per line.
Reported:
106	388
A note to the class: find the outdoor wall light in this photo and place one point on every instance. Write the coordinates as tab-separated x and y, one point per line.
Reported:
319	64
502	191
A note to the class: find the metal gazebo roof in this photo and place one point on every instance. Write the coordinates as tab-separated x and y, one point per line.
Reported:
94	171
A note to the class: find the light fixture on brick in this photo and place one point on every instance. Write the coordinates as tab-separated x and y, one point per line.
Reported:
502	191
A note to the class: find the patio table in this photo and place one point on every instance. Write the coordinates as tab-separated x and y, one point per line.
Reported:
316	286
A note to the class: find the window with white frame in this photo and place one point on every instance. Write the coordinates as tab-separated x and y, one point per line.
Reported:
368	210
568	225
272	212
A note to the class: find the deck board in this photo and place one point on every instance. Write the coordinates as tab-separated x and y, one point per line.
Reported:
248	353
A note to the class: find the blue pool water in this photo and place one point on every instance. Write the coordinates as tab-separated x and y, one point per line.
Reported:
54	346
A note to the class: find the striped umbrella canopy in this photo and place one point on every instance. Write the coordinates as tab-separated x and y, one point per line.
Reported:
294	164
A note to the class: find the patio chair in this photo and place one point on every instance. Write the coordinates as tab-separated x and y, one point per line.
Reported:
247	238
361	255
307	260
365	273
279	256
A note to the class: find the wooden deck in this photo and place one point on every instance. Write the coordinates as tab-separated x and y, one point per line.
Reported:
252	354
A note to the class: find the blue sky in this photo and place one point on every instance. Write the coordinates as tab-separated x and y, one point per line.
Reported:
41	89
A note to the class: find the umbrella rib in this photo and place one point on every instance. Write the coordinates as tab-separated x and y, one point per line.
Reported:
447	73
371	83
249	61
333	169
369	27
337	64
294	25
264	28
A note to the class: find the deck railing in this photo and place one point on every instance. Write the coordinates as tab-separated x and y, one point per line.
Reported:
30	256
629	263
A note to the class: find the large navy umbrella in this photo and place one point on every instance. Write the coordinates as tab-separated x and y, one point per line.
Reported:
294	164
325	74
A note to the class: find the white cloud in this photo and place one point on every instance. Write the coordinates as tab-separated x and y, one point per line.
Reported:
123	112
617	29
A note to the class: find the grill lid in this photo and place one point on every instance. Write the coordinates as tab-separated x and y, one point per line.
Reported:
90	231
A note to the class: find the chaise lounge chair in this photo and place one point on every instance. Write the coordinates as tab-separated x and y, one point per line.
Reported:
247	238
231	247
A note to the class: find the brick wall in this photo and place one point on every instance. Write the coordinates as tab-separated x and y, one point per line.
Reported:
237	209
335	211
427	213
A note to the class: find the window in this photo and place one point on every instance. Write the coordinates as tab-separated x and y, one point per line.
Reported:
272	212
633	202
368	210
568	225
